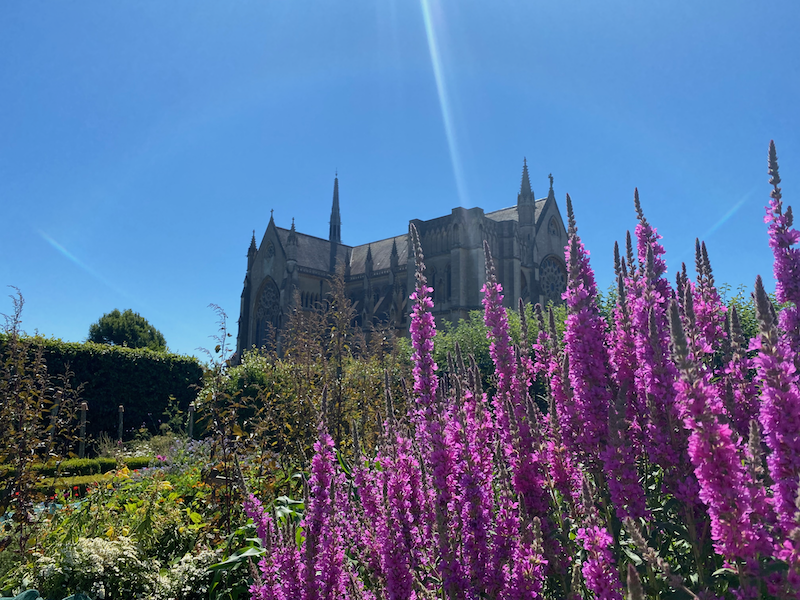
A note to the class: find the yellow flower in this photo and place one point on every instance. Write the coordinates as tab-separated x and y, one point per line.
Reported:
109	486
126	531
124	472
181	529
165	485
110	532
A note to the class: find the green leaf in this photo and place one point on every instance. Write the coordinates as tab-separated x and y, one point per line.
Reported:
635	558
195	517
238	557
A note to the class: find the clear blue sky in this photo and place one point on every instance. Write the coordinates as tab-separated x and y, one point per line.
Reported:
142	142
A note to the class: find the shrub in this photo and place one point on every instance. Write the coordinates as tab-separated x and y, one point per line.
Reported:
139	379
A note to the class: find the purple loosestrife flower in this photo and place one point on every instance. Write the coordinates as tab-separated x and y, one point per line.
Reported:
786	266
585	344
708	308
526	572
623	360
649	294
527	471
782	236
399	526
737	373
324	556
369	483
474	471
725	485
564	476
619	460
599	569
780	412
501	349
430	420
505	532
647	237
280	569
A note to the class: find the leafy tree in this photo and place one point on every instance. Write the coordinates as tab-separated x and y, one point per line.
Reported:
126	329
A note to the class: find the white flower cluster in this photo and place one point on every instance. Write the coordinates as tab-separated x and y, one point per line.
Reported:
189	578
97	567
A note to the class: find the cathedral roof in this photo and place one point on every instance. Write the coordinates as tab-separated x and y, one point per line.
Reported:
511	214
312	252
381	254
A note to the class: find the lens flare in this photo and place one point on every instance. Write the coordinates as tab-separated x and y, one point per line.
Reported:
444	101
78	262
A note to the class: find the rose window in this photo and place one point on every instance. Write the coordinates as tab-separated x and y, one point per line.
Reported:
553	279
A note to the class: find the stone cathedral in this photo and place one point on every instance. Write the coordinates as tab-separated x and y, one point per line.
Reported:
290	268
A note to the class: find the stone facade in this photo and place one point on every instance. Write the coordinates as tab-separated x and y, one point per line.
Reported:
527	242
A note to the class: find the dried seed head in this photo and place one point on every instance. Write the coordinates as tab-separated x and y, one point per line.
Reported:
629	252
638	206
491	275
635	590
572	228
698	259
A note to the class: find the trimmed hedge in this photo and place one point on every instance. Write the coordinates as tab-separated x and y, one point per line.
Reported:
139	379
83	466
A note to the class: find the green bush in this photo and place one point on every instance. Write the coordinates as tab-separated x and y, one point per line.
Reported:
141	380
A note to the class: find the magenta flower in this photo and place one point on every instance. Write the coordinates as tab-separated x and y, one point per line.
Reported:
779	413
585	344
708	307
718	460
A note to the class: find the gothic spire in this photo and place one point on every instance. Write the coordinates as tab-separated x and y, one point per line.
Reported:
252	247
292	234
551	193
525	188
335	235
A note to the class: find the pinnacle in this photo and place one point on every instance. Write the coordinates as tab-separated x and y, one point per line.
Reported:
525	186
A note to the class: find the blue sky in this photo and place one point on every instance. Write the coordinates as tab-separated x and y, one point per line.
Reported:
141	143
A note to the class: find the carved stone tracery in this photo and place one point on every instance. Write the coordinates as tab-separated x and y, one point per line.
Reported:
553	279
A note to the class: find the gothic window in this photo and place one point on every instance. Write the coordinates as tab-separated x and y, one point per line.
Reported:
553	279
268	312
552	227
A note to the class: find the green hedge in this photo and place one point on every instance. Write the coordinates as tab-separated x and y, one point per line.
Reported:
83	466
139	379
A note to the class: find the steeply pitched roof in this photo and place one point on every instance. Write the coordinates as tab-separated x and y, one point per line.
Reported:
381	254
511	214
312	252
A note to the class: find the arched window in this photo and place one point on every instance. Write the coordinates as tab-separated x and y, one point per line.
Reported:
553	228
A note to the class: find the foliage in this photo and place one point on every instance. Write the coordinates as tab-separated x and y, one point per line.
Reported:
472	336
141	380
271	401
126	329
36	415
147	533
